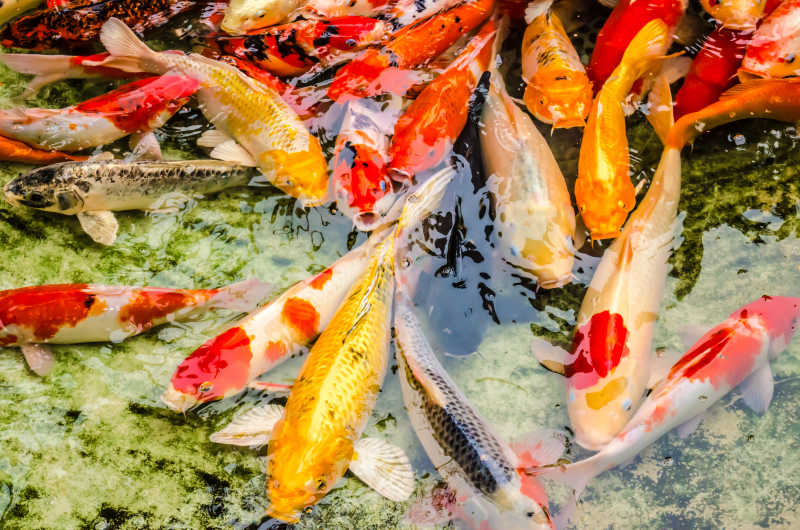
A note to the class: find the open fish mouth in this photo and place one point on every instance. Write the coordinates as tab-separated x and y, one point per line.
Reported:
177	400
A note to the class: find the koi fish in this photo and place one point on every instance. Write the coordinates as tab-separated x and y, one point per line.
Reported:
32	317
534	209
734	353
277	331
735	14
360	182
425	132
292	49
377	71
15	151
343	8
773	51
557	91
483	471
13	8
405	12
624	23
603	190
254	126
137	107
78	25
93	190
243	16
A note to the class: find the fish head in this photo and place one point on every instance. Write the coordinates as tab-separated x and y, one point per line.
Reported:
510	507
243	16
563	100
362	186
735	14
45	189
217	369
780	315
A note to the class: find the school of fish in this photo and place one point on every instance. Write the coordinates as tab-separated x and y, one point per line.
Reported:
404	86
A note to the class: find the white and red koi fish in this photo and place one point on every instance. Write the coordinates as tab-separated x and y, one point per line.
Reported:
137	107
774	50
31	317
224	365
736	352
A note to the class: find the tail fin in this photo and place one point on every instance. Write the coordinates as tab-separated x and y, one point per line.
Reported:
576	476
128	52
46	69
660	108
242	296
646	49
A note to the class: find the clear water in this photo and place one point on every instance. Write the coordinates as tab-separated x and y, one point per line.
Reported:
91	445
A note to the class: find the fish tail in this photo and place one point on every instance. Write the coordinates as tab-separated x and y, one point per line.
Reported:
242	296
645	51
128	52
576	476
46	69
660	113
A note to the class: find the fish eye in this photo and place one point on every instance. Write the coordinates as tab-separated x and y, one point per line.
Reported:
35	196
530	514
205	387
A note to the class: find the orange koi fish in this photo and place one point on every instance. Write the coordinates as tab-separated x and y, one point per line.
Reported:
31	317
558	90
774	48
735	14
16	151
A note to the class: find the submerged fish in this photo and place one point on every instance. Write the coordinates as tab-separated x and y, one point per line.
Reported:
405	12
603	191
534	210
31	317
16	151
734	353
279	330
484	472
137	107
78	25
13	8
557	90
243	16
735	14
92	190
254	125
774	49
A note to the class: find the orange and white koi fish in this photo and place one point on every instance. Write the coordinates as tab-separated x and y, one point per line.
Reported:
405	12
244	16
254	126
425	132
534	210
32	317
774	49
558	90
734	353
603	190
137	107
735	14
15	151
279	330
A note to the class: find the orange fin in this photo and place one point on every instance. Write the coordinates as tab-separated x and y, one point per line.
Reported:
660	113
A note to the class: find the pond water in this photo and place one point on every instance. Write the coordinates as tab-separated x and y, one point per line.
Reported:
92	446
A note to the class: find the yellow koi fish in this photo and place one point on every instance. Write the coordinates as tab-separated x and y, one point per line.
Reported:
254	125
558	90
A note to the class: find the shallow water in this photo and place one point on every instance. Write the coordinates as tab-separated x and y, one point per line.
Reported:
92	446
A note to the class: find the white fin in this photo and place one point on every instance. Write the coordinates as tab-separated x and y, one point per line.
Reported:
551	357
688	427
536	8
144	146
46	69
39	357
230	151
102	155
101	226
242	296
384	467
757	389
690	334
543	446
661	363
272	388
676	68
121	41
253	428
212	138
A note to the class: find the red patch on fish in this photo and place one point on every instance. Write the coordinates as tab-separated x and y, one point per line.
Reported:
302	316
360	171
133	106
658	416
220	365
149	305
322	278
45	309
597	349
8	339
276	350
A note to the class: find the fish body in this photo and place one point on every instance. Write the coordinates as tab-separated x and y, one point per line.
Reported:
136	107
16	151
256	125
377	71
294	48
405	12
425	132
773	51
13	8
625	21
343	8
557	90
225	364
479	466
534	209
78	25
243	16
736	351
735	14
603	190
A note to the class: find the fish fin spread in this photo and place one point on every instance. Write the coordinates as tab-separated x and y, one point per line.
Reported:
537	8
541	447
231	151
660	113
688	427
46	69
212	138
690	334
144	146
242	296
102	155
435	508
758	388
271	388
100	225
576	476
253	428
676	68
122	43
737	90
551	357
384	467
39	357
169	202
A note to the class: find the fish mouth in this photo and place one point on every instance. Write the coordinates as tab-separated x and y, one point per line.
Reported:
11	197
177	400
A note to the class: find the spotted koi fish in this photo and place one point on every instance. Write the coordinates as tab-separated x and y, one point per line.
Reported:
425	132
279	330
735	14
292	49
773	51
31	317
254	126
405	12
78	25
377	71
136	107
558	90
734	353
16	151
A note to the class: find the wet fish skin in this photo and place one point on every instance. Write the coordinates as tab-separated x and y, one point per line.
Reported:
775	46
16	151
13	8
243	16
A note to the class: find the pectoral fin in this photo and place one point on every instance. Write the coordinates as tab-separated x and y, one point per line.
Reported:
101	226
144	146
551	357
39	358
384	467
758	388
253	428
230	151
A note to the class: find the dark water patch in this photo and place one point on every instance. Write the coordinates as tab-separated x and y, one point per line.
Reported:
116	517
